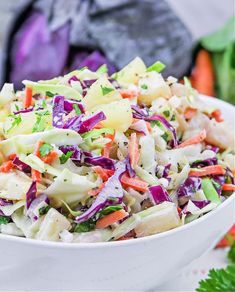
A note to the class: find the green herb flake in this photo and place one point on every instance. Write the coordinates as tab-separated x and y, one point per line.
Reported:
85	226
144	86
50	94
157	67
166	113
16	120
40	124
17	107
64	157
110	209
106	90
4	220
165	137
45	149
43	210
44	104
102	69
77	109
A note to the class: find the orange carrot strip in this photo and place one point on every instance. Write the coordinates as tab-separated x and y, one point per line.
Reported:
125	93
12	156
225	242
194	140
36	175
134	183
96	191
203	75
217	115
110	219
37	148
103	173
134	150
49	158
190	113
207	170
28	97
7	166
106	150
124	238
228	187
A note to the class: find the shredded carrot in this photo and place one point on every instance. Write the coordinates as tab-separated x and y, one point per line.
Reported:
233	171
126	93
7	166
28	97
107	148
49	158
36	175
207	170
110	219
98	126
124	238
96	191
134	183
103	173
179	210
134	150
228	187
190	113
203	74
12	156
217	115
194	140
37	148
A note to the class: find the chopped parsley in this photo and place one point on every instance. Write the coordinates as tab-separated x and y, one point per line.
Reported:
4	220
85	226
102	69
110	209
144	86
45	149
165	136
50	94
64	157
231	253
17	107
106	90
157	67
43	210
44	104
40	124
77	109
166	113
16	120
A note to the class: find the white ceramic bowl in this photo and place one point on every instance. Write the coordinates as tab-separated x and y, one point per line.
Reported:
138	265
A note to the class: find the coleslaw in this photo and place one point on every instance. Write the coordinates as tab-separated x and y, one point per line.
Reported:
89	157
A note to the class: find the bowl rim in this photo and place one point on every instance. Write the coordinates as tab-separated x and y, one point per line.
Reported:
141	240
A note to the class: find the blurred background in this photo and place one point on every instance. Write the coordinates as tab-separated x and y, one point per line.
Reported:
196	38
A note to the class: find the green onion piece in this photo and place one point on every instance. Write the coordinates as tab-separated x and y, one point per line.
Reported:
210	191
157	67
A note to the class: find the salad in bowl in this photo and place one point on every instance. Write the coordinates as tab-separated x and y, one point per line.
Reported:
89	157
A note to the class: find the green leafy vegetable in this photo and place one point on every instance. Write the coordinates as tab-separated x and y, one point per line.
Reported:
106	90
64	157
40	124
45	149
43	210
210	191
110	209
166	113
157	67
16	120
77	109
219	280
85	226
4	220
144	86
102	69
50	94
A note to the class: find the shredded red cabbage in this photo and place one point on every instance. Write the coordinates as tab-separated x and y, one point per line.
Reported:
31	194
129	168
27	110
69	106
58	111
102	161
159	194
90	122
206	162
190	186
21	165
111	194
34	204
